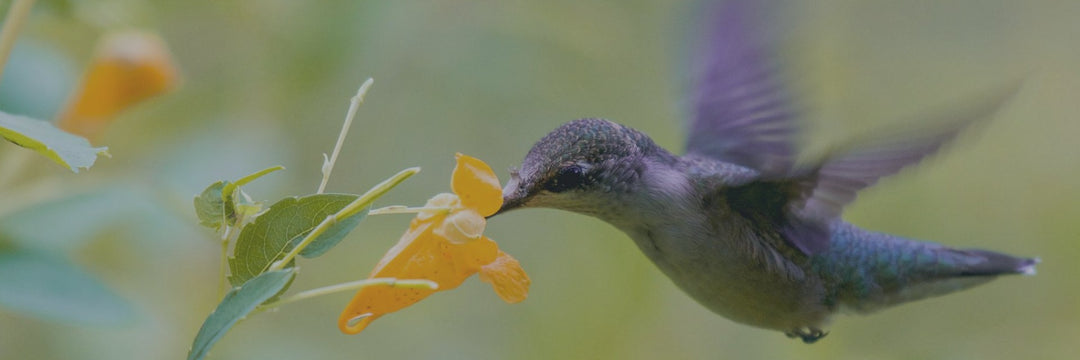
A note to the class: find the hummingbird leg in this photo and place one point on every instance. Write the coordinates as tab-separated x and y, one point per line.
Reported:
808	335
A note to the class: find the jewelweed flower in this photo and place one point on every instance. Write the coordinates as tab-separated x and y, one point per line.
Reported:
128	67
444	244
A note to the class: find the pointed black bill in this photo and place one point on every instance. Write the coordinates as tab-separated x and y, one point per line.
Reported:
514	195
508	204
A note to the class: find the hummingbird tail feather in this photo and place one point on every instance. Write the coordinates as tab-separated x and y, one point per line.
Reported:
995	263
1029	267
885	270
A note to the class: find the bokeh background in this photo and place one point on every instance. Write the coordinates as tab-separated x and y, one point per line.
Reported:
268	82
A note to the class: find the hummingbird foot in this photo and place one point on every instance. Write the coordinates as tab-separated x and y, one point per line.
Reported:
808	335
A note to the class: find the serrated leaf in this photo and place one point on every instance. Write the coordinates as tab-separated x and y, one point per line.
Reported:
65	149
333	235
278	229
51	288
237	304
210	207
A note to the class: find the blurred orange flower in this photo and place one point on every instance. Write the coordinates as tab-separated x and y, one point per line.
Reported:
127	68
444	246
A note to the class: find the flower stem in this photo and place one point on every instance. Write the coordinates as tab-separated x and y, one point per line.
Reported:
228	190
16	14
14	161
353	285
351	209
399	209
354	105
225	237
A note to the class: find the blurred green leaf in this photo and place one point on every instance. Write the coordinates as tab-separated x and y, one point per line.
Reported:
48	287
65	149
277	230
210	207
123	206
236	305
38	78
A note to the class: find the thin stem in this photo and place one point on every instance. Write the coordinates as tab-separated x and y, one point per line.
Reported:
354	104
225	237
232	232
351	209
228	190
354	285
16	14
14	161
399	209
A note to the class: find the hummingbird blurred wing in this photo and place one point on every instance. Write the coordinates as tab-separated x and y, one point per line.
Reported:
834	183
802	205
740	113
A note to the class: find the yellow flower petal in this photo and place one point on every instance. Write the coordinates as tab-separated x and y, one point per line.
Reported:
127	68
507	278
445	247
462	226
419	255
472	256
443	200
476	184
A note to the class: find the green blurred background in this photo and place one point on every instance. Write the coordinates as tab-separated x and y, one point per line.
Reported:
268	82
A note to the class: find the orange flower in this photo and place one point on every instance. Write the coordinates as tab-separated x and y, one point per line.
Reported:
128	67
445	247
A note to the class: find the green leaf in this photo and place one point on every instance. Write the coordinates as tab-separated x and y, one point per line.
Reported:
236	305
217	205
38	77
210	207
65	149
333	235
85	215
51	288
230	188
278	229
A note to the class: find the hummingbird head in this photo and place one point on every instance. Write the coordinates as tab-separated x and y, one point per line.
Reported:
588	166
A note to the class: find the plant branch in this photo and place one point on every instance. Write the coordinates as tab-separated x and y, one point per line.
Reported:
351	209
354	105
399	209
226	236
16	14
353	285
232	186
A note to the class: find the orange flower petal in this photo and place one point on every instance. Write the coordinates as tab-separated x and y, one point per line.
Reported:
416	256
419	255
462	226
472	256
444	247
507	278
476	184
127	68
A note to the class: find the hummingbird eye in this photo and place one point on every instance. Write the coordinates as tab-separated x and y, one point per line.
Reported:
568	177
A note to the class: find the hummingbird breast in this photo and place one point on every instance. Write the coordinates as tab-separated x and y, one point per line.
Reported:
720	259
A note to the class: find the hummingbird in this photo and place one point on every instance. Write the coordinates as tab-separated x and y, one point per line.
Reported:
739	224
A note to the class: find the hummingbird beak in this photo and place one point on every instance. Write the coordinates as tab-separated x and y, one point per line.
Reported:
508	204
514	195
